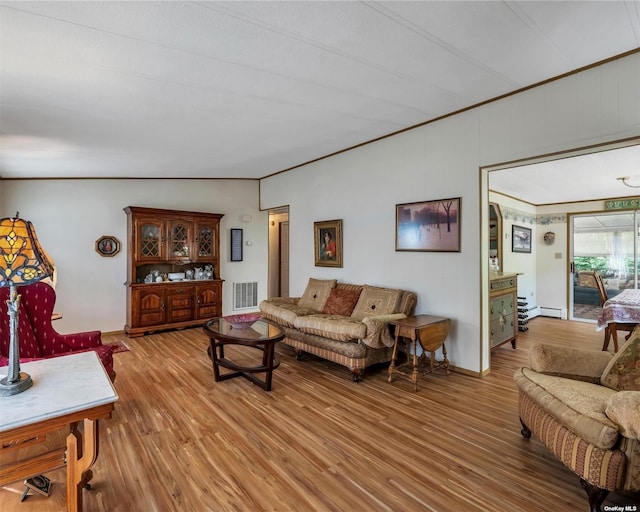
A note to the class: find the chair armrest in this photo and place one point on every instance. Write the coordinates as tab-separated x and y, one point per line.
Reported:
623	408
378	334
571	363
81	340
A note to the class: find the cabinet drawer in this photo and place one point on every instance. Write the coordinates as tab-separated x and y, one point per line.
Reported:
179	301
502	329
503	305
180	315
209	311
502	284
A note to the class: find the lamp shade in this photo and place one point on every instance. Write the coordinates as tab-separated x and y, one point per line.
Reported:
22	259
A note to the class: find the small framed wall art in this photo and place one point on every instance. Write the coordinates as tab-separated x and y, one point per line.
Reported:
429	226
520	239
107	246
328	243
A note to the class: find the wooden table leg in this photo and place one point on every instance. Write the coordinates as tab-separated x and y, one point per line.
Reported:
78	473
394	355
267	362
607	337
445	361
414	373
611	331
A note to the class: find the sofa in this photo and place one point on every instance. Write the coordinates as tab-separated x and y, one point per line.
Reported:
344	323
584	406
585	291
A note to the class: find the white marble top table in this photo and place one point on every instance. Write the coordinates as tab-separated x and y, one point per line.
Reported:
61	385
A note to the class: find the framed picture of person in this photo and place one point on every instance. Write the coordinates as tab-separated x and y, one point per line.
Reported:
328	243
107	246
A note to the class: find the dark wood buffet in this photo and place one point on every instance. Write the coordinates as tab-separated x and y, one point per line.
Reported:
165	243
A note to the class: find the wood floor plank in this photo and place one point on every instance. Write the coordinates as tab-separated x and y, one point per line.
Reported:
318	442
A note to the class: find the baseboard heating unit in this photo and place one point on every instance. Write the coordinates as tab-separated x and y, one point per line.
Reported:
552	312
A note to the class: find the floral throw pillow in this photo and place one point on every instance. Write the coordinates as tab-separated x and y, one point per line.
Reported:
623	371
341	302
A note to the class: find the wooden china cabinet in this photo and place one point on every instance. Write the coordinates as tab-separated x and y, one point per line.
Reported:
163	242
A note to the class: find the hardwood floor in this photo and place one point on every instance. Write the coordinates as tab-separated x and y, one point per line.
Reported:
318	442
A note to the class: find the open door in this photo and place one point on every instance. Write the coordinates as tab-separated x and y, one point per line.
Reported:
279	252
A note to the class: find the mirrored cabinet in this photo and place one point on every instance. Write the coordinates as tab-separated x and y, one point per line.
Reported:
495	234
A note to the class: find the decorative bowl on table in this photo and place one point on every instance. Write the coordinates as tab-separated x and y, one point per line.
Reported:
176	276
242	321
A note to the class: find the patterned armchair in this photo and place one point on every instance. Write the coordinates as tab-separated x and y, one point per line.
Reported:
584	406
38	339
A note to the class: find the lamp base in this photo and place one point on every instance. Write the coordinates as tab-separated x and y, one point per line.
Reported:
13	388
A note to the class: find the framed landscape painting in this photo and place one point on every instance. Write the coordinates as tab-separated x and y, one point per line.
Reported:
428	226
328	243
520	239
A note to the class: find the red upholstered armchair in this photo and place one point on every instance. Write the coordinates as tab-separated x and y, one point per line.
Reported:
38	339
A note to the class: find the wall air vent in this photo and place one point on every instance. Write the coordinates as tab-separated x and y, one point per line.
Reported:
245	295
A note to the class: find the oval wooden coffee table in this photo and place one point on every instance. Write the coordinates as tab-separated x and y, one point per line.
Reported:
262	335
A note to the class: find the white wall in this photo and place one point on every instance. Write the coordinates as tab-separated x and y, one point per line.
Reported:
70	215
442	160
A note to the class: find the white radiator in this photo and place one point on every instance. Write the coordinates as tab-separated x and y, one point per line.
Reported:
245	295
553	312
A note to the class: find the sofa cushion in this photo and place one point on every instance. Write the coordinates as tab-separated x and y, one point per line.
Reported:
623	371
375	301
341	302
579	406
283	310
337	351
335	327
316	294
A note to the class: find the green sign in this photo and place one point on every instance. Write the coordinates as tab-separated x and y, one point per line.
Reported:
622	204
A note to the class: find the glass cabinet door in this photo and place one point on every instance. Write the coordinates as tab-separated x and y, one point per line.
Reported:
180	240
150	240
205	242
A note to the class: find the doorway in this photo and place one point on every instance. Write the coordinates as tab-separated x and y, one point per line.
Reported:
514	181
279	252
605	242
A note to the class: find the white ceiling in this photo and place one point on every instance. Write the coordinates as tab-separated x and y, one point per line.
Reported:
579	178
245	89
